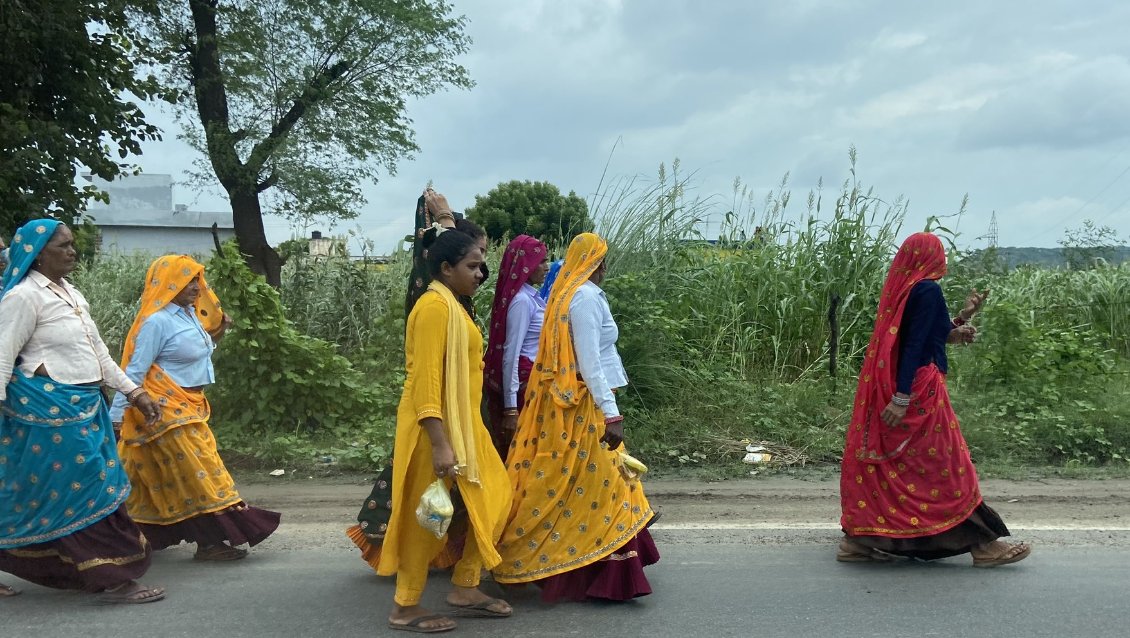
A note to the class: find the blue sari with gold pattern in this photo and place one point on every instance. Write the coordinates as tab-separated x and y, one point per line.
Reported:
59	467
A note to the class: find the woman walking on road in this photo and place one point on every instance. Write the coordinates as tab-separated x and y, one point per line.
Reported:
63	520
908	486
181	489
515	328
578	526
440	434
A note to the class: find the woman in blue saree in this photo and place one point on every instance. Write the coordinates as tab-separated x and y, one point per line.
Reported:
63	522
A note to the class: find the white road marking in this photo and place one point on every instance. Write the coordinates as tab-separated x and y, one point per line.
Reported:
777	525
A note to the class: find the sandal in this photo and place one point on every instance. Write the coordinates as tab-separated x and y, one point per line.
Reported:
414	625
220	553
482	609
1013	553
7	591
852	552
132	593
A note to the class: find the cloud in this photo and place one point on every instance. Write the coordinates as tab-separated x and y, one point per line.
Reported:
1063	103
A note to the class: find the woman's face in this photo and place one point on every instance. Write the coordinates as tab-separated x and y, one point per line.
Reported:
537	277
464	277
58	257
188	295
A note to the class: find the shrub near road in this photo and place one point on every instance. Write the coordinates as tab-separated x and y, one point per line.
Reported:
723	343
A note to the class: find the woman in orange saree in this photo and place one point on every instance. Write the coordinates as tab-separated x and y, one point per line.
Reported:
908	486
578	525
181	489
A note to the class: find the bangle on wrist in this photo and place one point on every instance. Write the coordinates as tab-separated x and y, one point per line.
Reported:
902	402
613	419
960	321
510	412
131	397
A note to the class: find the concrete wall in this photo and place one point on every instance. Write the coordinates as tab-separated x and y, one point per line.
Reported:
160	241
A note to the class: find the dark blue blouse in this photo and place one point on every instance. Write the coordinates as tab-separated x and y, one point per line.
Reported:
925	327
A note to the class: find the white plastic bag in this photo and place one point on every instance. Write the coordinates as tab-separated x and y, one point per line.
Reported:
435	509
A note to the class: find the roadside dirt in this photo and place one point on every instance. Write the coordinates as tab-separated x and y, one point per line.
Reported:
767	510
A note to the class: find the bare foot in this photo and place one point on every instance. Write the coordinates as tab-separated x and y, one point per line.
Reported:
472	601
999	553
6	591
419	620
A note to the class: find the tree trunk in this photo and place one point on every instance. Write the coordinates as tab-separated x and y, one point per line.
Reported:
247	216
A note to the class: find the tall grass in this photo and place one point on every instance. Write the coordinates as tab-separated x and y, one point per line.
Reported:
731	338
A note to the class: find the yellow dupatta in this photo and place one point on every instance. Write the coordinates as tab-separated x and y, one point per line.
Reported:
457	411
166	277
557	360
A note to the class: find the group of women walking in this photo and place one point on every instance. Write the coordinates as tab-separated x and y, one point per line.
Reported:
524	430
86	492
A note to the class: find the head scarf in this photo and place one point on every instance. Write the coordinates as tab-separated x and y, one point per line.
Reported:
522	257
27	243
419	278
920	257
550	277
557	361
167	276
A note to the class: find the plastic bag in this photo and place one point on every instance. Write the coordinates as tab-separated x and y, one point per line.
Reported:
435	509
631	467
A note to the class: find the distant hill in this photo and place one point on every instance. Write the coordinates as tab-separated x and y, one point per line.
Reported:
1049	257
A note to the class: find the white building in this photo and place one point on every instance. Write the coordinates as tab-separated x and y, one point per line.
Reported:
141	218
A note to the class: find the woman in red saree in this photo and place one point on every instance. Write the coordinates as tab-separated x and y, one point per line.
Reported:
908	486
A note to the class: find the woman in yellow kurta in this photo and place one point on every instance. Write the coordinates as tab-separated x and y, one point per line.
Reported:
181	489
440	433
578	525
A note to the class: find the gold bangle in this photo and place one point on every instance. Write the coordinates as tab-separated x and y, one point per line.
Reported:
510	412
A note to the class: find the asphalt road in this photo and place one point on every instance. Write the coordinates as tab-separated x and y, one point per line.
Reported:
713	582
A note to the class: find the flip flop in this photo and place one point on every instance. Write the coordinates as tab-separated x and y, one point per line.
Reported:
135	595
482	609
224	554
413	625
1025	550
7	591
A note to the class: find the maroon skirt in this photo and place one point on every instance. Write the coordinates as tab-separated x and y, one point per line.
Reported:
495	407
105	555
237	525
618	576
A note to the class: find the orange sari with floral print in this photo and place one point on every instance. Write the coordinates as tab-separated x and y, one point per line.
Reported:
916	478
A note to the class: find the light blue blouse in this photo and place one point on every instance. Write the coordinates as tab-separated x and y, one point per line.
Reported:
174	339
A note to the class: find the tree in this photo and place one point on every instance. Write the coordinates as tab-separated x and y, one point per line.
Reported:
295	104
1088	246
67	68
534	208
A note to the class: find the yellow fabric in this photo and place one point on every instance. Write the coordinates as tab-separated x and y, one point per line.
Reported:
457	390
178	475
174	466
178	407
167	276
556	363
572	505
407	548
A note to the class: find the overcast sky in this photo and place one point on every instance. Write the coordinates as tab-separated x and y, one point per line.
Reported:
1025	106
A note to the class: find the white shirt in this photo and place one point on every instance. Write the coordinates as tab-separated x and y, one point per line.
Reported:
524	319
594	340
44	324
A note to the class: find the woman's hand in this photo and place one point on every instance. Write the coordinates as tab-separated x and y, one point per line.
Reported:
437	205
973	304
149	408
443	460
613	434
962	334
893	414
510	423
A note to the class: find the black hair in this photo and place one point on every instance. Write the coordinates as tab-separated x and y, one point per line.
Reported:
469	227
446	248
